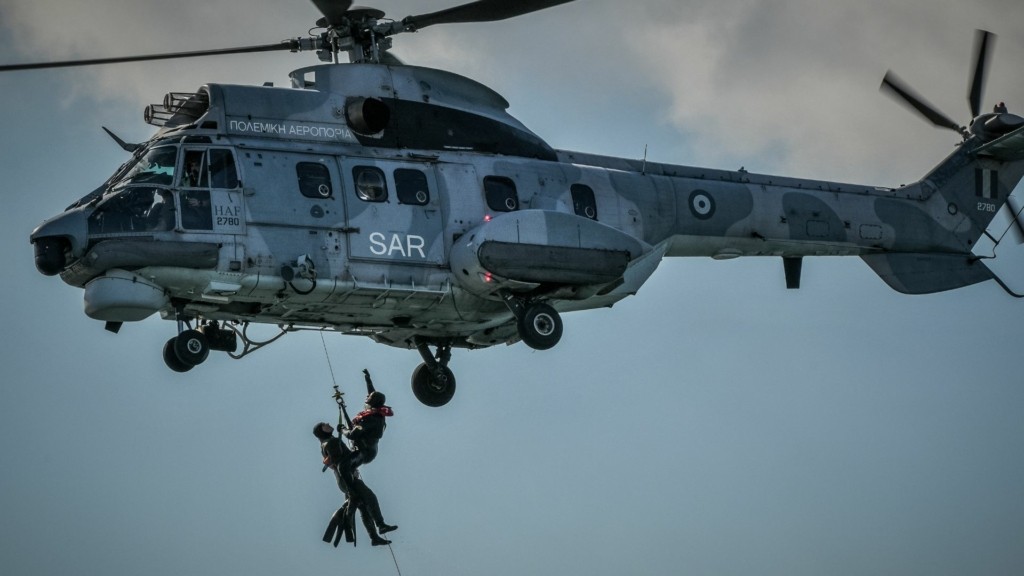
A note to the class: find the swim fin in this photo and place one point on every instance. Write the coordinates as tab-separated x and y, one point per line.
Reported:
335	527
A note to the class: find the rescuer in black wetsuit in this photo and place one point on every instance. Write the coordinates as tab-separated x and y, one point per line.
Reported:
358	495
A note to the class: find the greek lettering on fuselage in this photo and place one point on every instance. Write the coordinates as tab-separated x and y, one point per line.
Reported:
402	244
290	129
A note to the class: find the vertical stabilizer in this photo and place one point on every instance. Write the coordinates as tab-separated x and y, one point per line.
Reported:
968	190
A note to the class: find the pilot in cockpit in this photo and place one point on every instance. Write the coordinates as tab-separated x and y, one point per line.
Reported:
160	215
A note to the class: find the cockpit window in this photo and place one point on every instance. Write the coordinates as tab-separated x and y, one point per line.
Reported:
137	209
155	167
222	169
193	170
213	168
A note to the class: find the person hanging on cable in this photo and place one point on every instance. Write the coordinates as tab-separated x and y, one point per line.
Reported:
358	495
368	426
344	461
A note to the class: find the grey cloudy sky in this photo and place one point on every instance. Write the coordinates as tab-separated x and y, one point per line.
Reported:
715	424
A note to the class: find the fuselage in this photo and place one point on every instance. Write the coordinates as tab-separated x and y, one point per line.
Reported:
402	202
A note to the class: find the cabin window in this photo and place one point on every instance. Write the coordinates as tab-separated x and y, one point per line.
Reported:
411	187
314	180
501	194
583	202
370	184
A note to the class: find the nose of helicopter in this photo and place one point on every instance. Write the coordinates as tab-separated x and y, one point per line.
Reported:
59	240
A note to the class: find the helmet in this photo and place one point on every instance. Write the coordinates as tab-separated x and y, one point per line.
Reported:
375	399
323	430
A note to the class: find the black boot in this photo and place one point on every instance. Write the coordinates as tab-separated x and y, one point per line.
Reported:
371	528
373	507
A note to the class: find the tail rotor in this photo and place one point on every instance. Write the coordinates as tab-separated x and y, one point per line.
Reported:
984	125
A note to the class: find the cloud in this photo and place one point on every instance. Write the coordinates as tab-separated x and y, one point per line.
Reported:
795	81
786	87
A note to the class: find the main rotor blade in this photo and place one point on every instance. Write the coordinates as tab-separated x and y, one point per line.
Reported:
333	10
983	43
930	113
480	11
286	45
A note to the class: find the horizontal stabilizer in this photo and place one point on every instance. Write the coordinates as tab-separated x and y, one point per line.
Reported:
1007	147
928	273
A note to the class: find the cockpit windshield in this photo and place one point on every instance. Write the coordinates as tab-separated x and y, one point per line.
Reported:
156	166
134	210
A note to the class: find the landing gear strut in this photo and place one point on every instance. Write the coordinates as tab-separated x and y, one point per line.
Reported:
538	324
432	382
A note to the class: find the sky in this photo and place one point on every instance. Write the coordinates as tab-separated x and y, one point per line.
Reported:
715	423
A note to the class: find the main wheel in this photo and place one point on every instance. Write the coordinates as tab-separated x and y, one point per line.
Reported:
540	327
171	358
433	389
191	347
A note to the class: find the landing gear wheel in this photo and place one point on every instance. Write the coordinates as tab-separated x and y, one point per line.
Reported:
432	389
191	347
171	358
540	327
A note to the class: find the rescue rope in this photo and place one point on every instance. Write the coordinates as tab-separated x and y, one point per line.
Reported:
334	382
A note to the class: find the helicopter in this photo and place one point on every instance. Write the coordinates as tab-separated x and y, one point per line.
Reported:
405	204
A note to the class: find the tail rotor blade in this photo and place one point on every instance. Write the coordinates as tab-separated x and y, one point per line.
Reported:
892	83
983	43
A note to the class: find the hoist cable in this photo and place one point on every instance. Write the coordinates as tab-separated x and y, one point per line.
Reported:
328	356
392	550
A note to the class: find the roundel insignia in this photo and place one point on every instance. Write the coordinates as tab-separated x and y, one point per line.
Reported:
702	204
